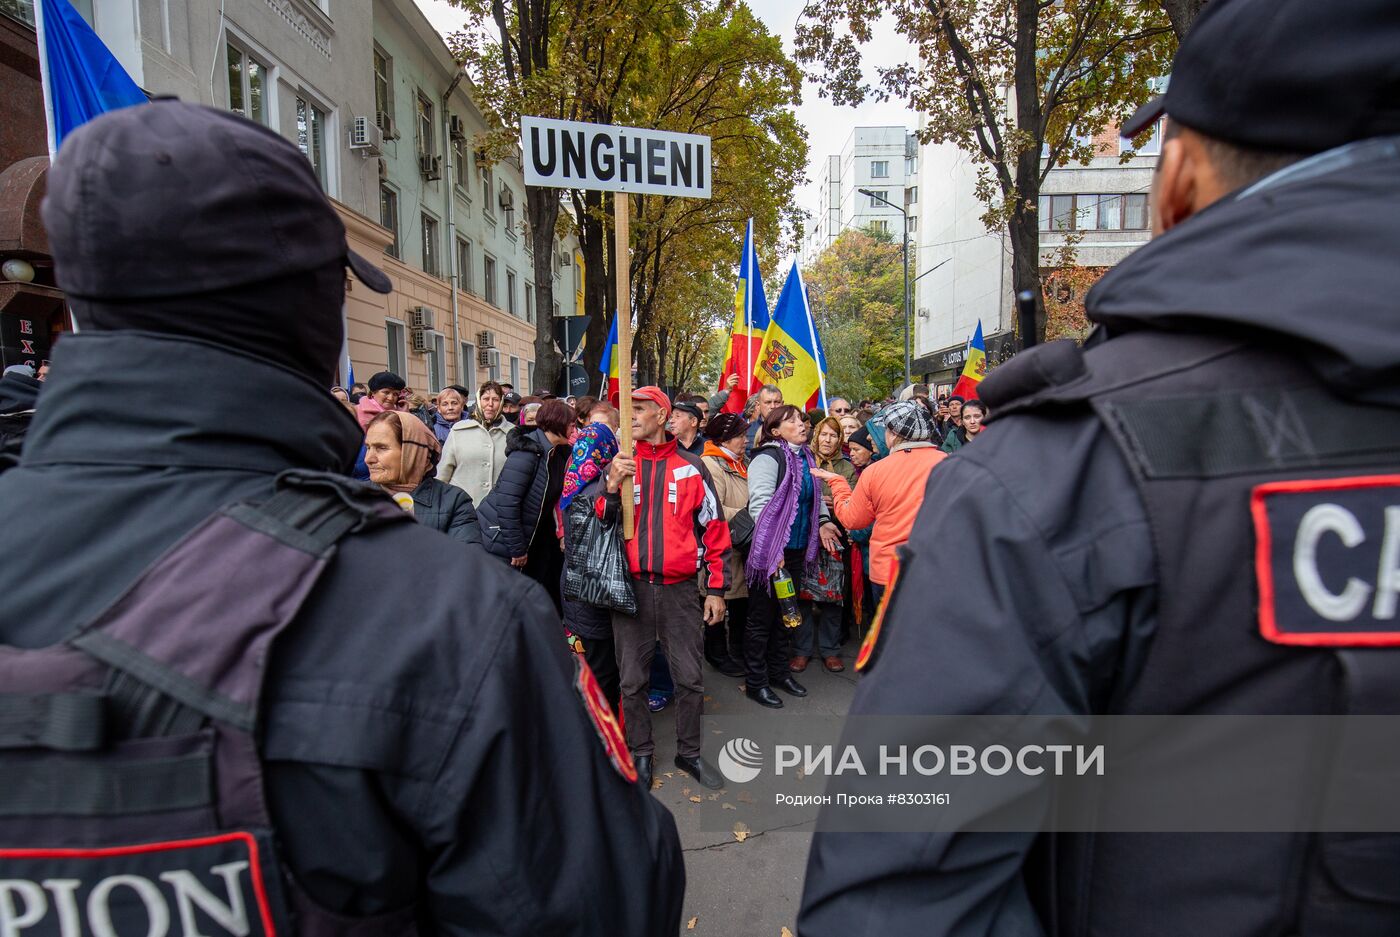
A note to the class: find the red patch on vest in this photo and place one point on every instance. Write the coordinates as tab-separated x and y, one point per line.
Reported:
609	732
868	648
1327	561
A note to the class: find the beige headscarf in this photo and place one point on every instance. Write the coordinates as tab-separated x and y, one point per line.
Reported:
420	452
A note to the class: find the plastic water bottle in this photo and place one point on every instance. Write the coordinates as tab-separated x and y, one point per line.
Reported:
785	591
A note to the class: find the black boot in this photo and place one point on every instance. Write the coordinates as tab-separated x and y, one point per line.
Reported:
701	770
643	763
717	652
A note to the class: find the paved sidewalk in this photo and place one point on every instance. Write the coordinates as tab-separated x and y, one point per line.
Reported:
750	888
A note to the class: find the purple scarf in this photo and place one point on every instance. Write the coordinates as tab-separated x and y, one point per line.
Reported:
774	524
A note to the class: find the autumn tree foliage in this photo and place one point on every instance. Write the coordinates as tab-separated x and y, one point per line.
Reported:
707	67
1021	85
856	290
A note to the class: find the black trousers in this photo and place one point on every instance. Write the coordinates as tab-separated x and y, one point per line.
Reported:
601	655
767	644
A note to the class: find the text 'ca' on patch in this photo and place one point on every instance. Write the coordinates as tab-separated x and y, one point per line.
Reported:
604	722
1327	561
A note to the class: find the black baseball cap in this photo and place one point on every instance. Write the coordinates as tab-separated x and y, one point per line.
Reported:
170	199
1299	76
685	406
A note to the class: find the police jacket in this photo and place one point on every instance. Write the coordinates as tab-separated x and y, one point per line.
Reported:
1255	342
404	768
511	512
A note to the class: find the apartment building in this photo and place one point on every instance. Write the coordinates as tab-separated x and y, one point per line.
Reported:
883	160
371	95
963	274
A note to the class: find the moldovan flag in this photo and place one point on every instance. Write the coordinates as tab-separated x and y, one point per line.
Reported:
608	367
750	324
976	367
80	76
792	358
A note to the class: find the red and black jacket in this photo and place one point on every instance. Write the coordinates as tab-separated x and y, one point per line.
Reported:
680	527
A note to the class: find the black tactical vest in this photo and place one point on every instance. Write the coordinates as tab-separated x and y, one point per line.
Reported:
131	790
1274	506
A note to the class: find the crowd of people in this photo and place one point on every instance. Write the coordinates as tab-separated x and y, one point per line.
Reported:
764	538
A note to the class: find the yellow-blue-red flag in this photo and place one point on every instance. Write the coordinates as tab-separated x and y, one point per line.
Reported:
746	334
976	367
609	364
792	357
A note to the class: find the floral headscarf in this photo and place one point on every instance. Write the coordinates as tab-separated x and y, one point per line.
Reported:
594	447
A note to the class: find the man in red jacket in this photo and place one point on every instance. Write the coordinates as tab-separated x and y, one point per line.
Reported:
678	520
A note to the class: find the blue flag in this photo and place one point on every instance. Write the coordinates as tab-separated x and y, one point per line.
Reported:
81	77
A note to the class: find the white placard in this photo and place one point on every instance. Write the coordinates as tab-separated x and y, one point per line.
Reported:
569	154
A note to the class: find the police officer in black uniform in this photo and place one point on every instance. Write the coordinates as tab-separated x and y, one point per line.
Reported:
427	753
1249	353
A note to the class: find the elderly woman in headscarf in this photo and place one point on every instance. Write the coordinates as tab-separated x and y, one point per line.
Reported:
401	453
588	628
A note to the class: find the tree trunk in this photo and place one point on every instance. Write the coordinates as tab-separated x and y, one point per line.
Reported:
1182	13
1024	226
593	237
542	208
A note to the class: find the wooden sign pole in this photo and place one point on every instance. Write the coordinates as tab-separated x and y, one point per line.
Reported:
622	264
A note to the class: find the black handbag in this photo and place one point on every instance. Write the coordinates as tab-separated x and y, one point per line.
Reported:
741	530
595	565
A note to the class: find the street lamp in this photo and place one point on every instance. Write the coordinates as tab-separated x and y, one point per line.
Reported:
905	242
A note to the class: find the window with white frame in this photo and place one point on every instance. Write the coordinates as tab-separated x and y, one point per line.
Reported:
437	363
487	207
466	366
913	223
529	302
488	279
515	372
459	164
494	371
510	293
423	124
311	136
530	375
430	245
911	195
879	169
880	225
875	197
389	217
464	265
1152	146
383	89
395	338
247	84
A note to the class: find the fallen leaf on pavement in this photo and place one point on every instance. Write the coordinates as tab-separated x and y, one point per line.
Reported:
741	831
786	933
696	798
729	807
690	924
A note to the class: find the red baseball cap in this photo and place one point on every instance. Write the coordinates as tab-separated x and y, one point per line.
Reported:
655	394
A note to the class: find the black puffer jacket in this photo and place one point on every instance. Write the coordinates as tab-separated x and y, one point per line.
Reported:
510	512
442	507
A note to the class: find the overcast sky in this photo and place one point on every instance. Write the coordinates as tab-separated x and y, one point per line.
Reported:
827	126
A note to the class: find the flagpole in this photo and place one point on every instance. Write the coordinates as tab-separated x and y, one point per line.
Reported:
748	306
44	80
812	332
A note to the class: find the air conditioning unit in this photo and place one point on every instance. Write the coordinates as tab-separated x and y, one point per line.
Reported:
422	317
365	135
488	358
430	167
486	339
422	341
456	128
386	125
506	198
566	259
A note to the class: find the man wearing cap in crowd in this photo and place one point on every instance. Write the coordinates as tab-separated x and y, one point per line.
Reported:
678	520
510	406
410	784
1134	516
686	418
